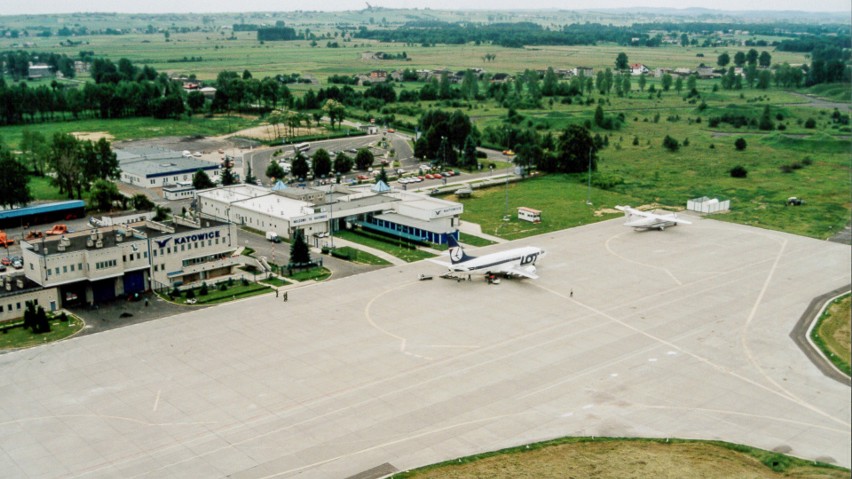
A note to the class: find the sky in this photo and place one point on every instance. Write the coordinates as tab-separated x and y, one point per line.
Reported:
15	7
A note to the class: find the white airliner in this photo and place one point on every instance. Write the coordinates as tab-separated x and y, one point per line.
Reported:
519	262
642	219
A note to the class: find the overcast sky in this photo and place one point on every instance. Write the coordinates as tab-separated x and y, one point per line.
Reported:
14	7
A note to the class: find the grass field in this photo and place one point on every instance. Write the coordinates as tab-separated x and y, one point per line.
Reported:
607	458
832	334
134	128
403	253
19	337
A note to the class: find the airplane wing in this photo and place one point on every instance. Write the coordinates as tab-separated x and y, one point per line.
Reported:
518	271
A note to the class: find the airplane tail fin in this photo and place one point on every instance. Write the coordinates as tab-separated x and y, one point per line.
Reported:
457	254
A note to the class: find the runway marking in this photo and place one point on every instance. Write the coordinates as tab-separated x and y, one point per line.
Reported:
403	342
646	265
314	403
157	400
101	416
743	414
391	443
782	393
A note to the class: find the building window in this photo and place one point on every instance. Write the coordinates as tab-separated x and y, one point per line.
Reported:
65	269
80	266
145	254
72	268
57	270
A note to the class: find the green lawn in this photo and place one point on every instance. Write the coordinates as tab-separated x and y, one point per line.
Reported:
18	337
388	246
358	256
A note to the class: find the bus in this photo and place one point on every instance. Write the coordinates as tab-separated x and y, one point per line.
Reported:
302	146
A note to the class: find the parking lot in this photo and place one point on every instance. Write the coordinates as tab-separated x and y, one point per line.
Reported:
682	333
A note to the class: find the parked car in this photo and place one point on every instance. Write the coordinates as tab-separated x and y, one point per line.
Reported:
6	261
17	264
2	268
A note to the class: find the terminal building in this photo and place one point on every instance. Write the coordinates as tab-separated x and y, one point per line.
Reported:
108	262
324	210
157	167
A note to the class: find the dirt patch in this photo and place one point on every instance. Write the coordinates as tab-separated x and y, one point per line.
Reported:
606	211
620	459
92	135
269	132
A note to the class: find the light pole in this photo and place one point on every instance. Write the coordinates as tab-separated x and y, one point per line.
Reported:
589	193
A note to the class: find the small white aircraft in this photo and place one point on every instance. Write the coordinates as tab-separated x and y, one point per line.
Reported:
518	262
645	220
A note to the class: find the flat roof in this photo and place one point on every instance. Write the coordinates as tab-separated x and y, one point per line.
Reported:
153	162
77	241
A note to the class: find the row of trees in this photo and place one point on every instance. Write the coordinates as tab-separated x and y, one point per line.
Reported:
74	166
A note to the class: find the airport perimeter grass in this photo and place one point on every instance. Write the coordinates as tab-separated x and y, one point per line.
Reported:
832	333
18	337
134	128
617	458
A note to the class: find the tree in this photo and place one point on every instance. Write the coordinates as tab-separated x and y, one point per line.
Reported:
141	202
228	177
274	170
642	81
200	180
66	162
765	59
739	59
335	111
667	82
363	159
103	194
550	84
321	163
342	163
766	122
34	149
99	161
382	176
468	157
740	144
723	60
621	62
14	190
249	179
300	253
573	150
195	100
751	57
678	84
299	166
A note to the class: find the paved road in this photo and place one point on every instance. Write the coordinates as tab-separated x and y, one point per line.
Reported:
682	333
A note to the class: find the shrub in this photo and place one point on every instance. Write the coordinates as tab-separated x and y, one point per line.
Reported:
740	144
223	287
807	161
739	171
190	294
810	123
671	144
203	290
